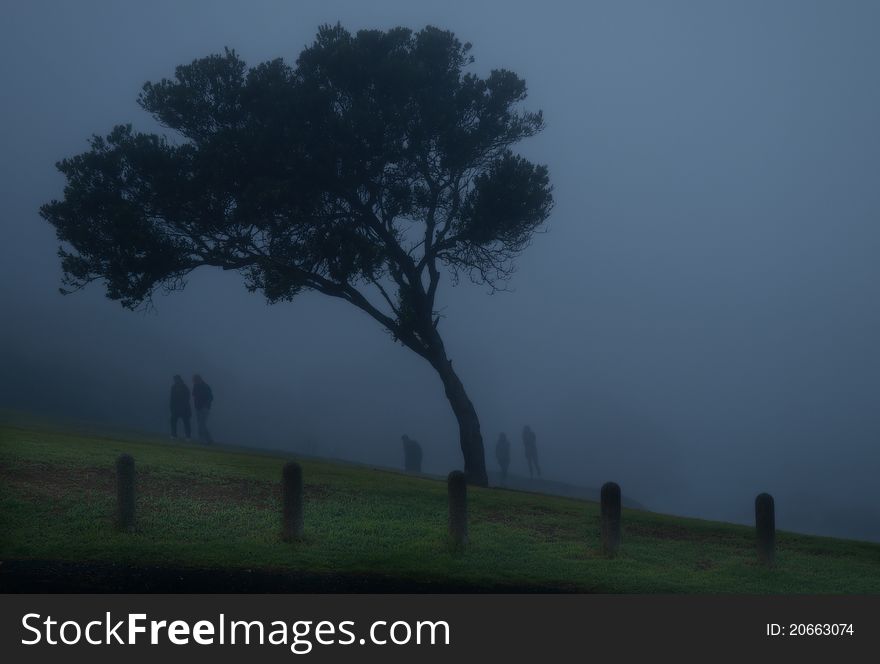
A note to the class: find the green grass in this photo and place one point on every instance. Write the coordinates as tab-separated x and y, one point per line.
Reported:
208	507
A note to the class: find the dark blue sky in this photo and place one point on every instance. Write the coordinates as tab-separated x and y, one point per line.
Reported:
700	323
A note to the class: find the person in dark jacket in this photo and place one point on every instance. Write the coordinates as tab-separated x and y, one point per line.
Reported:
412	455
202	400
180	408
502	453
531	446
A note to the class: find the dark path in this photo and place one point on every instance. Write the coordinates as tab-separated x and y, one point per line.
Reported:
52	576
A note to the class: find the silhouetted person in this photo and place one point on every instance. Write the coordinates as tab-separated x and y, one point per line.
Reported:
502	453
531	450
412	455
202	399
180	408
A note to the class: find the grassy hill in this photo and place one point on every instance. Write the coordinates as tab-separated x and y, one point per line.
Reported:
555	488
215	512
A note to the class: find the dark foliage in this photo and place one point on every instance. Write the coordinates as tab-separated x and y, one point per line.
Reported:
359	172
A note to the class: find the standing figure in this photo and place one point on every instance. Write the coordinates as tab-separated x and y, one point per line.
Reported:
531	450
180	406
502	453
202	399
412	455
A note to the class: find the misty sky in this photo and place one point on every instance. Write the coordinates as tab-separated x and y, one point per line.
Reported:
700	323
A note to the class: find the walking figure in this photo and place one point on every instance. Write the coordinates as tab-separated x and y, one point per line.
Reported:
502	453
412	455
202	399
531	450
180	408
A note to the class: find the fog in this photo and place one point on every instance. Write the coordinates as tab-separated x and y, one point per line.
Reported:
700	322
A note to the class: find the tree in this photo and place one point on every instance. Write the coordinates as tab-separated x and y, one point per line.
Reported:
362	172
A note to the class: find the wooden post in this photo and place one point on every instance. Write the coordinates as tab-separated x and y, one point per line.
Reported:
765	525
125	492
458	522
292	501
610	510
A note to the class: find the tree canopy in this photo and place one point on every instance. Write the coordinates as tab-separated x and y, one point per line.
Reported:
362	172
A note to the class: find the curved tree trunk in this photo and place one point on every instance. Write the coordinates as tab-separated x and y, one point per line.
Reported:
468	423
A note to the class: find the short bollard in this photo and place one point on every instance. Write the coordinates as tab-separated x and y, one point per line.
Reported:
125	489
765	525
292	501
610	510
458	526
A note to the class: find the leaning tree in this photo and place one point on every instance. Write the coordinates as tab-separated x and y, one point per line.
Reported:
361	173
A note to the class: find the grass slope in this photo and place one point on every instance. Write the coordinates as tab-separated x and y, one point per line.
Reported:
210	508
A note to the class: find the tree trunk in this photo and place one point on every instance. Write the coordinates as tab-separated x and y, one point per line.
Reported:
470	438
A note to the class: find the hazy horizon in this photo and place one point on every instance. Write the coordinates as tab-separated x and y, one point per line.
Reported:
699	323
